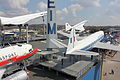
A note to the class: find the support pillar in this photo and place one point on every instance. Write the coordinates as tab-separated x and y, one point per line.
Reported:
27	40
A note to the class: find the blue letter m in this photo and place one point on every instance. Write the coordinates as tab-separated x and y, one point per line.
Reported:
52	30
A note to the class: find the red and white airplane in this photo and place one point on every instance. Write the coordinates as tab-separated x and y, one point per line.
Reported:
14	54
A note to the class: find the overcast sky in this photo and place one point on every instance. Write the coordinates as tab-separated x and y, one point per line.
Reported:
97	12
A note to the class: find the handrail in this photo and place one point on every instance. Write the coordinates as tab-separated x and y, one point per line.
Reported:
86	68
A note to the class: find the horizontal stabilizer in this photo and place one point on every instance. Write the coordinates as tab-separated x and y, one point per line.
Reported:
82	52
68	35
107	46
63	33
57	43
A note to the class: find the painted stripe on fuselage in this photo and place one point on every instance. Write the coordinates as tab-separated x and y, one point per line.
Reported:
17	58
89	46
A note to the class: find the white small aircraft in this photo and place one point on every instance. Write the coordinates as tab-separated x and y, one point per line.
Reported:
78	26
93	41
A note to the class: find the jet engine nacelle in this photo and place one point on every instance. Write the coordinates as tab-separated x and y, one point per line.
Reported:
21	75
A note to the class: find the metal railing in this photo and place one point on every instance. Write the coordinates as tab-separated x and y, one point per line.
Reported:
85	69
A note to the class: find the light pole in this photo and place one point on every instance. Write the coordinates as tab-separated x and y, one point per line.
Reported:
102	64
1	33
20	31
43	26
26	25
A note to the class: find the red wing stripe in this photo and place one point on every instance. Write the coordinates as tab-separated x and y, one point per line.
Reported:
17	58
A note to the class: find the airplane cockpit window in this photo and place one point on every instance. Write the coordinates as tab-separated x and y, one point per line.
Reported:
30	50
19	45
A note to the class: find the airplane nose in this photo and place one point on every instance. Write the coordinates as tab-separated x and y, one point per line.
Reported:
28	72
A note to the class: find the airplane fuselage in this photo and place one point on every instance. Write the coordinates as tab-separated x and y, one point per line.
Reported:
15	53
88	42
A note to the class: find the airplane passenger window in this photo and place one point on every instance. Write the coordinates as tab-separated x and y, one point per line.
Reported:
10	60
19	45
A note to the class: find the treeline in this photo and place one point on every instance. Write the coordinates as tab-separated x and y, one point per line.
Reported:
40	27
98	28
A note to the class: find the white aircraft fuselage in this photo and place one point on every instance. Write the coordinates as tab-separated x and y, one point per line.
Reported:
87	43
11	54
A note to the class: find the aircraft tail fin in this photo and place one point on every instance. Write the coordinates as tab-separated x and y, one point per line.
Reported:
67	26
2	72
72	40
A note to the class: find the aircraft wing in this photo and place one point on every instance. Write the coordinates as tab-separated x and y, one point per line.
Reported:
107	46
58	43
21	19
67	35
63	33
2	72
82	52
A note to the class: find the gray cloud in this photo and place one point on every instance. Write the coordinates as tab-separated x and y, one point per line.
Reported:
82	4
70	9
74	8
2	13
60	13
89	3
13	7
115	3
42	6
63	11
